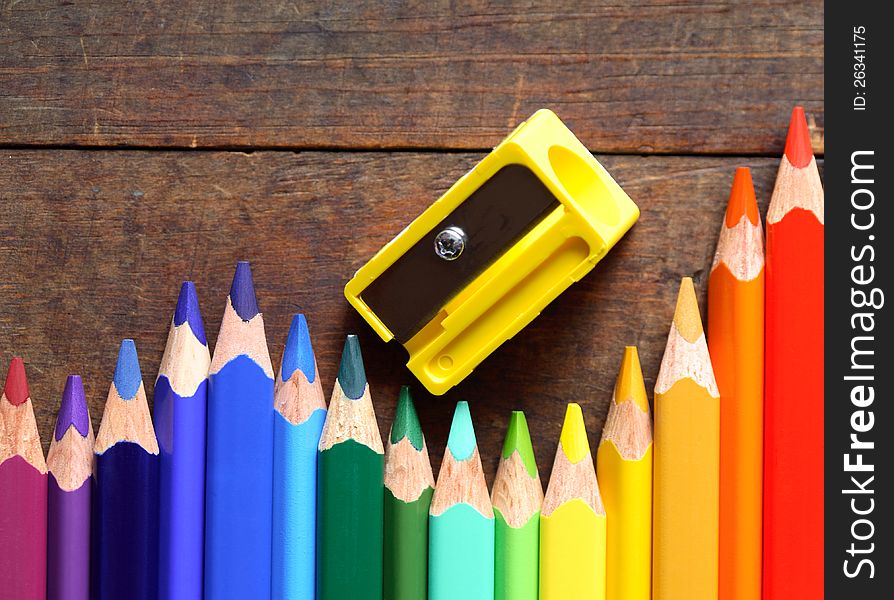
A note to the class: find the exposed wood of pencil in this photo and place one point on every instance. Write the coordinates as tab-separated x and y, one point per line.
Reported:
629	428
185	361
19	435
686	463
351	420
407	470
736	345
572	480
297	398
516	494
238	337
461	481
126	421
70	459
793	541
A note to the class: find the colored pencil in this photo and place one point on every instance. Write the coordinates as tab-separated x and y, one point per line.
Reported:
70	464
181	396
573	520
687	461
409	484
736	345
624	467
23	493
517	496
461	520
350	488
300	411
239	469
125	496
793	409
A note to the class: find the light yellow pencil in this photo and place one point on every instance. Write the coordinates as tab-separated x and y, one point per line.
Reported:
573	520
624	467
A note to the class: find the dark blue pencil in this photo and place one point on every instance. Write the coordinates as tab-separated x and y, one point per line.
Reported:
181	392
239	473
125	498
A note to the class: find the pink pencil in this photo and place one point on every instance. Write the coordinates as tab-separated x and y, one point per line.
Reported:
23	493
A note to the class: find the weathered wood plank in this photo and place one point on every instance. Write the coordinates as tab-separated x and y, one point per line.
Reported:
93	246
643	77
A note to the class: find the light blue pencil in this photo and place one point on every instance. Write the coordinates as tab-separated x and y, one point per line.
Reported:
300	411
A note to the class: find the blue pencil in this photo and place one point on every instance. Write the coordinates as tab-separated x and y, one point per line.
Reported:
181	392
300	413
239	471
125	498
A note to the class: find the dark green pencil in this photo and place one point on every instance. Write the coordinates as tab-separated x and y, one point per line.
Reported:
350	489
409	484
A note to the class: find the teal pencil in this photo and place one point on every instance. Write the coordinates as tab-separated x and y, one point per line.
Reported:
461	520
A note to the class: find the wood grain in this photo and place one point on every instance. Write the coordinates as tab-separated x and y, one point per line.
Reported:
641	77
94	244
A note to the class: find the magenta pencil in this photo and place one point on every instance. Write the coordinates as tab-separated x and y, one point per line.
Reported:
23	493
70	463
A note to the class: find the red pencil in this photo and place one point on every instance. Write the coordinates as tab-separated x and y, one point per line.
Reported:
23	493
793	412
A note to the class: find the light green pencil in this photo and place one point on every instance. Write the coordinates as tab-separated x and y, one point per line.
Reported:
517	497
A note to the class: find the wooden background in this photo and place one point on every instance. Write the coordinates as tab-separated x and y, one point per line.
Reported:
142	143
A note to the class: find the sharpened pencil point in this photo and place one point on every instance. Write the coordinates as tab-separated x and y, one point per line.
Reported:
187	311
630	384
351	373
518	438
128	378
461	440
797	144
16	388
242	292
406	421
574	434
73	410
741	199
687	317
298	354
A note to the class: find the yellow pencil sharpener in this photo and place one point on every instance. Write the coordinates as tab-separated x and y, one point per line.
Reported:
479	264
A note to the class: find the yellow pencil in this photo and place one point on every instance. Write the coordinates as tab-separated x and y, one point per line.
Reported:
572	522
624	466
687	462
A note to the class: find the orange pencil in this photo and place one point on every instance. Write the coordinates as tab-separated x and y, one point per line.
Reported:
736	346
793	408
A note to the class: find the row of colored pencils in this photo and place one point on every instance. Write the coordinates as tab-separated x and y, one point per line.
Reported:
247	486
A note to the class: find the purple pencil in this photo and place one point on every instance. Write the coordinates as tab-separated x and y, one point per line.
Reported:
70	463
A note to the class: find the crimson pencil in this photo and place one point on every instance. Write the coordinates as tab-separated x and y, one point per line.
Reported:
23	493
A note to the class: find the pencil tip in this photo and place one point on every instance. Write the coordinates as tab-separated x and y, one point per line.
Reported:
127	379
687	317
242	292
73	410
574	434
187	311
630	384
16	388
741	199
351	373
518	438
797	144
461	441
298	353
406	421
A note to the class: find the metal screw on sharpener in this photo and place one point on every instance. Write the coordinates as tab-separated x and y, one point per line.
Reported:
450	242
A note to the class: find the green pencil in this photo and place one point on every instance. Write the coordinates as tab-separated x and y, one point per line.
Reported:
517	497
409	484
350	489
